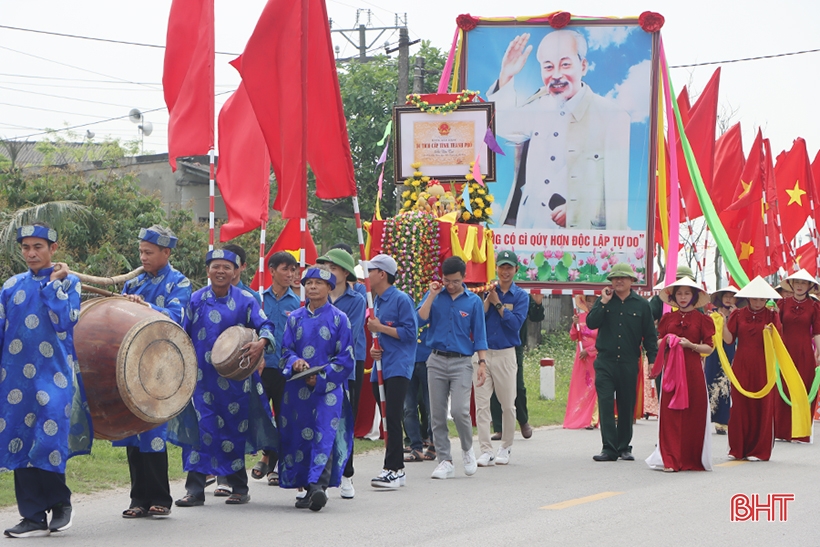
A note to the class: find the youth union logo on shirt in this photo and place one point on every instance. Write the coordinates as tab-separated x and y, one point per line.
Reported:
464	314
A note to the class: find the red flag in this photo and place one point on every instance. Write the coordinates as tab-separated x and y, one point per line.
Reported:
289	240
700	130
188	78
729	163
815	171
743	219
243	172
273	61
794	183
806	257
684	105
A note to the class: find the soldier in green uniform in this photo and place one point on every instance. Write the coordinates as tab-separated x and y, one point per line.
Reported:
624	322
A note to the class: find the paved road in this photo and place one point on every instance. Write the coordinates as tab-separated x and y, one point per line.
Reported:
619	503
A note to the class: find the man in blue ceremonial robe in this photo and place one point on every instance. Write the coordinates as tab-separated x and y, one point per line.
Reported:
167	291
233	416
316	424
44	417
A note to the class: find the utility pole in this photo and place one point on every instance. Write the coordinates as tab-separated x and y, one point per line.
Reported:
404	65
418	75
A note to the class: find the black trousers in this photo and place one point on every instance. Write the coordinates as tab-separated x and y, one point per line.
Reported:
195	483
395	390
354	390
274	384
38	490
149	478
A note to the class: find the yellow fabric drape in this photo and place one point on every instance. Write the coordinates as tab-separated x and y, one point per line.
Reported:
366	227
490	251
801	410
457	65
727	368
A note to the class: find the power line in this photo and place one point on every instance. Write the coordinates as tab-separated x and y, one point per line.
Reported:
71	66
95	39
63	97
747	59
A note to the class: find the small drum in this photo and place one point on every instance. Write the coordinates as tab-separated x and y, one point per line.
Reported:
139	367
227	355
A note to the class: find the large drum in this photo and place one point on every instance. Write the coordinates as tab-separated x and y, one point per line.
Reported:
139	367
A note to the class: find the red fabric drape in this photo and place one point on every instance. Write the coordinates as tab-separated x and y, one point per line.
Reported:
272	70
243	172
188	78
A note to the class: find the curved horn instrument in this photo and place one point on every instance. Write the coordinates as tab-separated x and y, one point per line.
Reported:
116	280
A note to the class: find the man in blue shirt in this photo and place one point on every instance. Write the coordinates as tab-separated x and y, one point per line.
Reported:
396	326
354	306
457	330
168	291
279	301
505	310
416	404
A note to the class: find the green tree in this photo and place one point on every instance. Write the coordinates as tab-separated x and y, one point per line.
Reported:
368	94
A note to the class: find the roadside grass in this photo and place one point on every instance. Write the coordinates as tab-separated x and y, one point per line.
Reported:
107	467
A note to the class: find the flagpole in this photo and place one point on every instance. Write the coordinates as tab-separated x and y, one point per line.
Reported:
262	230
211	192
303	162
377	362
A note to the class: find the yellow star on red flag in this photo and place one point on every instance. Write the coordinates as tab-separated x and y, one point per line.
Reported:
746	250
746	187
795	194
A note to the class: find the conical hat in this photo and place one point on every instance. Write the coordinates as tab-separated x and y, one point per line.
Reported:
802	275
717	296
758	288
702	296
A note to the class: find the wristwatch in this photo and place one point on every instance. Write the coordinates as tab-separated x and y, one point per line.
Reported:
499	306
482	361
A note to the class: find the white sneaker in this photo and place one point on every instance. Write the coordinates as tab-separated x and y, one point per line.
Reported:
445	470
502	457
347	489
402	477
386	479
486	459
470	464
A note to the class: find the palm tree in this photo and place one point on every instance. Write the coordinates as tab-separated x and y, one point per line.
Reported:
54	213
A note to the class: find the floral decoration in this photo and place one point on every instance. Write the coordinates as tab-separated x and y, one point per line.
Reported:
464	97
481	202
425	194
579	267
560	19
466	22
412	239
651	21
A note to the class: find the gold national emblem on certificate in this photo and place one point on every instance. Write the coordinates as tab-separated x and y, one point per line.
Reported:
444	142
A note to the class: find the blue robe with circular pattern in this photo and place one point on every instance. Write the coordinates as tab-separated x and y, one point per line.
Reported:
316	422
44	417
234	417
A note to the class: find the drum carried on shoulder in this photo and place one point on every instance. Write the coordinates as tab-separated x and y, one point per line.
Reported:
227	355
138	366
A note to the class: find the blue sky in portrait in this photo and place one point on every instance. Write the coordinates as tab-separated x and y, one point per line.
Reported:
619	59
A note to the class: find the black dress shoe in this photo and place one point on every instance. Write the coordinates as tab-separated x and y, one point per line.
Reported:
496	436
604	457
627	455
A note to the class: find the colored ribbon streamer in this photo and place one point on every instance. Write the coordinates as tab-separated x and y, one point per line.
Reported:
671	361
812	391
801	410
722	241
448	66
727	367
674	183
387	129
477	170
663	199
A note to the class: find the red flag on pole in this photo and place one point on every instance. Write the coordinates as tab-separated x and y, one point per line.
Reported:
700	130
794	186
289	240
271	66
805	257
729	163
243	173
188	78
